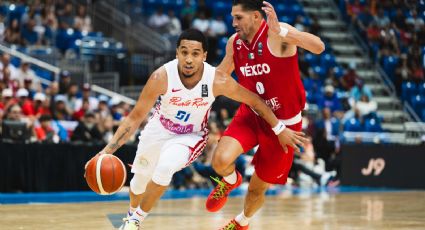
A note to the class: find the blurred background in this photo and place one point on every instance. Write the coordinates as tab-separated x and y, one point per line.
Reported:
70	71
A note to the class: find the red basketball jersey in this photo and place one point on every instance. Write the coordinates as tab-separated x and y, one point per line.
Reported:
275	79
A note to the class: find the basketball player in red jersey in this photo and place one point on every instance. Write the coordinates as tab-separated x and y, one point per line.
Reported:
263	53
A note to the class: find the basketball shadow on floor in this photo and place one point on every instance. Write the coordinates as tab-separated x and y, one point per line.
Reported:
116	219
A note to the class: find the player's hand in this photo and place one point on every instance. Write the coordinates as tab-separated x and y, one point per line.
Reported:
272	21
292	139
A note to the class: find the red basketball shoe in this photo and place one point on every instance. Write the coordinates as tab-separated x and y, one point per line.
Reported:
218	196
233	225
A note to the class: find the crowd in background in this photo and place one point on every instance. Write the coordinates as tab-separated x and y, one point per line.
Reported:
66	112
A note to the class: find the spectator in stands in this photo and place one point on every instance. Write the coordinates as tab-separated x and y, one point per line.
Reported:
7	81
64	81
7	100
12	34
217	29
382	20
83	19
159	20
25	73
29	35
40	106
84	108
417	72
24	102
87	130
366	106
50	23
174	27
93	101
201	23
102	108
71	97
414	20
59	110
402	73
330	100
349	78
45	132
364	19
5	64
14	113
187	14
65	16
400	20
360	89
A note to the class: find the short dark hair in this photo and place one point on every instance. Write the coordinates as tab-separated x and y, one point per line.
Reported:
250	5
45	117
193	35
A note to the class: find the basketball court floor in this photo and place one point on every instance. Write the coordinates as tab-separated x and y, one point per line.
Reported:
283	210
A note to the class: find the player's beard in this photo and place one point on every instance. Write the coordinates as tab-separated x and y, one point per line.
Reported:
188	75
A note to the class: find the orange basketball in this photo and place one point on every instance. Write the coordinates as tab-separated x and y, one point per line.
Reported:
105	174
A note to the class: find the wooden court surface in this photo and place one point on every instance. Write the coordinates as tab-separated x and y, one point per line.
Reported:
385	210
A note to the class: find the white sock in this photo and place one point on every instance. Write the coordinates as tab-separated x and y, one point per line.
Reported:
139	215
131	210
242	219
231	179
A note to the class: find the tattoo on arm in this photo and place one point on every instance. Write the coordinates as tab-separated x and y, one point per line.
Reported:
114	146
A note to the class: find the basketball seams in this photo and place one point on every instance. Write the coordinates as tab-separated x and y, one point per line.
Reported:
98	174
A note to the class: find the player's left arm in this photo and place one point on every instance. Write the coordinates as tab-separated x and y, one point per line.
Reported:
289	34
225	85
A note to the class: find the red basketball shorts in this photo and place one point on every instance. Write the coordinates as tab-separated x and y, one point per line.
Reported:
272	164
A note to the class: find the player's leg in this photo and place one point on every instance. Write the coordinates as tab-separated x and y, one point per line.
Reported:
239	137
223	161
254	200
255	197
172	159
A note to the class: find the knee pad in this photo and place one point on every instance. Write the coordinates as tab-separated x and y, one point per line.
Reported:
138	183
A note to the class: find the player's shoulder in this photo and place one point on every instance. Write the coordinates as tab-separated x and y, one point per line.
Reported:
159	75
232	38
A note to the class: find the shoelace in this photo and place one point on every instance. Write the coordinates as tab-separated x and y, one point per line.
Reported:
127	219
221	191
230	226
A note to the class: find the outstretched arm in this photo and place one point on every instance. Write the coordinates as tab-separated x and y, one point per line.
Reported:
290	34
155	86
227	65
225	85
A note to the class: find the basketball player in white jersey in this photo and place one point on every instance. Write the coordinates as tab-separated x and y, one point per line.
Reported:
176	133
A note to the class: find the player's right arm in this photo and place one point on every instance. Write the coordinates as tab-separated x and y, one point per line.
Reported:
155	86
225	85
227	65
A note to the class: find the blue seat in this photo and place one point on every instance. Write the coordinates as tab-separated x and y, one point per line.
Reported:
327	61
353	125
408	89
373	125
421	88
320	71
418	103
312	59
338	71
389	63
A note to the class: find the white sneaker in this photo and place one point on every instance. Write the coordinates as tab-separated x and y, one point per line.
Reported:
326	177
130	224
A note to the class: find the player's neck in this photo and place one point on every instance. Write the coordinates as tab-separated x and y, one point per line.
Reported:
251	36
191	82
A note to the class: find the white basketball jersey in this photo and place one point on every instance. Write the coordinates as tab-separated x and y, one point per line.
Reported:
183	110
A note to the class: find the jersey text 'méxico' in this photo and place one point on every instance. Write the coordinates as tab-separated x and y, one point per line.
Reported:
275	79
